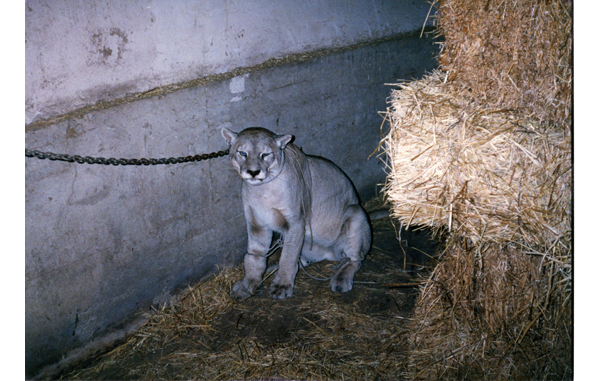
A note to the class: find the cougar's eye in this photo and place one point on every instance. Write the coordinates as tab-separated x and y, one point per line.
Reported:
265	155
242	153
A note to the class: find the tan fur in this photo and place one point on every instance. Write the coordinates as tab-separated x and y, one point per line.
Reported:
307	199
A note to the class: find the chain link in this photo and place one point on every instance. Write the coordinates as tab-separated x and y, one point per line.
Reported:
112	161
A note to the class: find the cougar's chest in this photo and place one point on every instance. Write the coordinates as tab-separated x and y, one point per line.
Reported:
268	206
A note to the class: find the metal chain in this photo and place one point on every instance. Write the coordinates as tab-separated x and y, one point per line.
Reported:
112	161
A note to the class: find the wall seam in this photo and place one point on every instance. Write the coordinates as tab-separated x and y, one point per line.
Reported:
171	88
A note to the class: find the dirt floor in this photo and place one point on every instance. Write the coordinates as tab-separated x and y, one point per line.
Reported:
315	335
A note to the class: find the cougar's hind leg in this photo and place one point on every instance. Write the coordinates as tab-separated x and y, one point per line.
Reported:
354	242
311	253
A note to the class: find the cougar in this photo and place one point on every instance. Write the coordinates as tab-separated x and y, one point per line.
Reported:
307	199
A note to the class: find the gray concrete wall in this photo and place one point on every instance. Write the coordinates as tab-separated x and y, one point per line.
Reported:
81	51
104	243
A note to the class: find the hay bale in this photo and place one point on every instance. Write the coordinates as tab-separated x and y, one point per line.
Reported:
479	173
499	187
513	54
491	312
481	152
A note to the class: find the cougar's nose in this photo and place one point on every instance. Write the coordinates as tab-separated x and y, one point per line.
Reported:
253	173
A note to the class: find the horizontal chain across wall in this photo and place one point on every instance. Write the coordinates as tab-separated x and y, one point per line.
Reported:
112	161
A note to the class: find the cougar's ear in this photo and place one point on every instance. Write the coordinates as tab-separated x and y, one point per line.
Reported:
283	141
229	135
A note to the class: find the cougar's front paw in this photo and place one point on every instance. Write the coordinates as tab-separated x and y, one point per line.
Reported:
240	291
281	291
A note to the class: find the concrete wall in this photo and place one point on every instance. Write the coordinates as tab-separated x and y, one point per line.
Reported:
81	51
104	243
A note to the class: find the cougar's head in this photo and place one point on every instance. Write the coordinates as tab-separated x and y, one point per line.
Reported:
256	153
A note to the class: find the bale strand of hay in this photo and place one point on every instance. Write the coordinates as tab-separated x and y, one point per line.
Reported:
481	151
479	173
511	54
487	315
499	187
